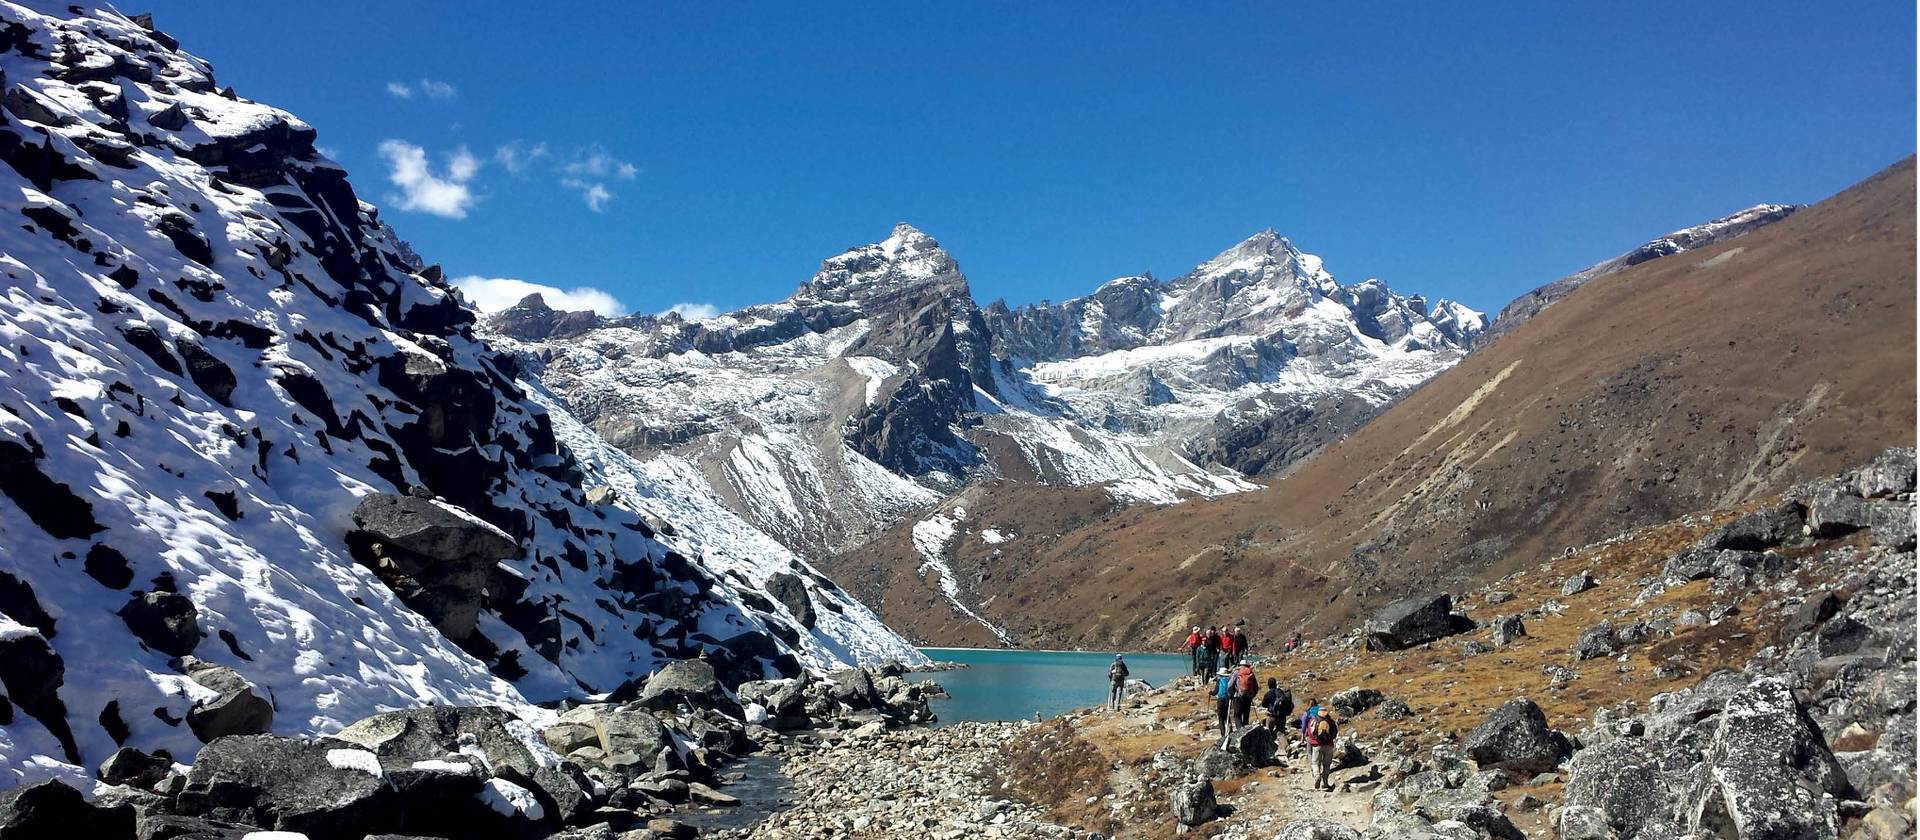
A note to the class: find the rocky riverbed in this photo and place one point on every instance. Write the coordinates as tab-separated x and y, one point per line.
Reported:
934	783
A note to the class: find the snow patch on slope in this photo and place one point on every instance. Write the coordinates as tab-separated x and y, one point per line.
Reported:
931	537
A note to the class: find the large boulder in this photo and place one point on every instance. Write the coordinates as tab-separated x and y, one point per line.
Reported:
1889	474
1760	530
1507	628
1355	700
692	682
508	746
166	621
791	591
234	709
1316	829
1217	762
290	784
435	556
1515	738
129	766
1633	784
1193	802
1768	774
52	809
1413	621
1254	744
1834	511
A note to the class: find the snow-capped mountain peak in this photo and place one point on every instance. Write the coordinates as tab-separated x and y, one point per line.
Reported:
905	261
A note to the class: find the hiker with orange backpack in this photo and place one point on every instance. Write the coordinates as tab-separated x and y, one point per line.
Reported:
1245	686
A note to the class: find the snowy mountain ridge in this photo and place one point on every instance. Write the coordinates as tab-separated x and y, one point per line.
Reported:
253	457
879	389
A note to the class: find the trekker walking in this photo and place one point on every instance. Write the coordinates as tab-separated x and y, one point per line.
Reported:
1278	704
1293	642
1229	655
1245	685
1193	652
1116	682
1240	640
1222	703
1210	659
1322	732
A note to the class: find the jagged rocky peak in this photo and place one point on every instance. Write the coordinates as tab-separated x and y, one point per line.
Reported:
906	260
532	319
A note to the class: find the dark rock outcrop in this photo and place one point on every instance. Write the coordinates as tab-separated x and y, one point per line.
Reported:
52	809
436	559
166	621
1414	621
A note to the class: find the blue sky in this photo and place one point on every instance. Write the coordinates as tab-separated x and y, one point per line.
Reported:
714	153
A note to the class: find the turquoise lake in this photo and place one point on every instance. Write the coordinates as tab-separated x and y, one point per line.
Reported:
1015	684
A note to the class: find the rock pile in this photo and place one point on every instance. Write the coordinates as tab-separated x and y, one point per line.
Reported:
598	770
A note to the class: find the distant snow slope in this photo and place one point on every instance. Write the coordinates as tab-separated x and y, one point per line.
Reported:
210	352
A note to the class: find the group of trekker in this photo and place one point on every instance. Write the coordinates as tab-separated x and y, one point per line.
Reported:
1222	652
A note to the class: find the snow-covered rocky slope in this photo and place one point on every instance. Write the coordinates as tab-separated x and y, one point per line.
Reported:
239	420
879	388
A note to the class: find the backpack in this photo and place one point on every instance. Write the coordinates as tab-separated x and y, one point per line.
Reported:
1321	731
1222	687
1246	682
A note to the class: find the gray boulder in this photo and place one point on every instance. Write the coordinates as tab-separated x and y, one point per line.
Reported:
1316	829
1413	621
1811	613
791	591
1577	584
511	750
129	766
1506	629
1254	744
1631	782
1760	530
1216	762
52	809
288	784
1583	823
692	682
1892	524
1766	771
1193	802
1354	700
434	556
166	621
1835	511
1515	737
1889	474
235	709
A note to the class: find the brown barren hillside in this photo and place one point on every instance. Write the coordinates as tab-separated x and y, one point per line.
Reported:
1701	380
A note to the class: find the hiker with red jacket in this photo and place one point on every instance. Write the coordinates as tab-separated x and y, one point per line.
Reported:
1245	685
1194	642
1229	655
1321	731
1209	651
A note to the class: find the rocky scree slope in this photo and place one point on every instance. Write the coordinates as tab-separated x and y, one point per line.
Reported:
1708	378
879	391
1736	673
258	473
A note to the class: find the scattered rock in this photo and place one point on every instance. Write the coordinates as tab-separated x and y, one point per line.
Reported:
166	621
1578	583
1506	629
52	809
235	710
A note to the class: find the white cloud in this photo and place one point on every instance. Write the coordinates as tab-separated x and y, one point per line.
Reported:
595	162
430	88
596	194
492	294
587	171
694	311
516	157
420	189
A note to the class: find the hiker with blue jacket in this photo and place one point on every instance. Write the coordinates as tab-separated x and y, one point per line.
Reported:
1223	703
